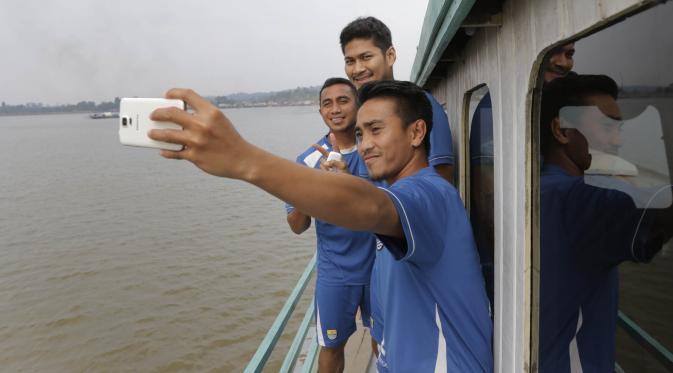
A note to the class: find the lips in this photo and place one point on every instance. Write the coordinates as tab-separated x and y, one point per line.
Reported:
363	78
370	158
558	72
337	120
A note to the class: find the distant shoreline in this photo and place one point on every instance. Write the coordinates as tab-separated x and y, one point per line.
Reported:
91	112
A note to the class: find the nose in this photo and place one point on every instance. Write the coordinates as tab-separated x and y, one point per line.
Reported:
358	67
564	62
336	108
364	144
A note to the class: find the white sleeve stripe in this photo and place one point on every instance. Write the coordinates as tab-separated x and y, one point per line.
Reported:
440	157
406	219
312	159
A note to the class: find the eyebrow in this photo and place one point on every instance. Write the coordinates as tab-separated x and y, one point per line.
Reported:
359	55
371	122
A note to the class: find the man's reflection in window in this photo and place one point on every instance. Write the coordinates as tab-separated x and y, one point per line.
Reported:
585	231
481	188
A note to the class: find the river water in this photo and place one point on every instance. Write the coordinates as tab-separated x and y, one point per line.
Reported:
117	260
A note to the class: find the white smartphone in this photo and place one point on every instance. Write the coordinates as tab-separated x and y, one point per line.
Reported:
135	122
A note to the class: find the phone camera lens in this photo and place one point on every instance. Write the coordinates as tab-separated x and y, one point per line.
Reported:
124	121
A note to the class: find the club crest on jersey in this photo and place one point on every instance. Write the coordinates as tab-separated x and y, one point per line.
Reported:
331	334
379	244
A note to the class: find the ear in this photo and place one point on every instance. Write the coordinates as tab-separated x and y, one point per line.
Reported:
391	56
417	132
560	134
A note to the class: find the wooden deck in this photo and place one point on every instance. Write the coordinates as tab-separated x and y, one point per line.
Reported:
358	351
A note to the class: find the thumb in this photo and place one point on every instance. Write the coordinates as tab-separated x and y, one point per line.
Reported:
335	146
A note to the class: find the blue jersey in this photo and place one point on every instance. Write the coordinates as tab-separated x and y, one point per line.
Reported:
585	232
345	257
429	298
441	142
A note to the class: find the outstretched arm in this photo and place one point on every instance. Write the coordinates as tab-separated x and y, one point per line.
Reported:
212	143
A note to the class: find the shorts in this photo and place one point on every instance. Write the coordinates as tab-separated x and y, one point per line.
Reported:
336	308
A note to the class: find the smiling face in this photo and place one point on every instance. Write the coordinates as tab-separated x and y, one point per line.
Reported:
388	147
365	62
338	107
560	62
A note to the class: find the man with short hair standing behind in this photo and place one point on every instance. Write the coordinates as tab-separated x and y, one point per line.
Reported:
344	257
369	55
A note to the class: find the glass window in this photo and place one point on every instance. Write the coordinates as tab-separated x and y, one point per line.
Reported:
605	206
481	179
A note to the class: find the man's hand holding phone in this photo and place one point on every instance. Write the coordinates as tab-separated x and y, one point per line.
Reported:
208	138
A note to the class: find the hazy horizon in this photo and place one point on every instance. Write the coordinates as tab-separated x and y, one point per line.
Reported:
67	52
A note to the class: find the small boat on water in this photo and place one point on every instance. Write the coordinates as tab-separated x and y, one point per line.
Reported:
104	115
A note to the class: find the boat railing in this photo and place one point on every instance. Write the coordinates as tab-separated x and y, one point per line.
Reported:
261	357
654	347
265	348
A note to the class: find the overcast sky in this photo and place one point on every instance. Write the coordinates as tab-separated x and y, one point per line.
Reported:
68	51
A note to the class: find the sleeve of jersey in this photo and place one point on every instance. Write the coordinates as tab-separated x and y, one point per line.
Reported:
441	143
614	229
417	206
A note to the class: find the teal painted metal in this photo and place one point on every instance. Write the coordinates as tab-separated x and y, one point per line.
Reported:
436	34
310	362
295	347
265	348
658	351
432	22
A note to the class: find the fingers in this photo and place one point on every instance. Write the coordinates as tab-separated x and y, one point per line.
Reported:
175	115
190	97
335	146
334	166
170	136
322	150
323	165
339	166
172	154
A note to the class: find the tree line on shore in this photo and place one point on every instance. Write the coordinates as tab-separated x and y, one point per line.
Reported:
288	97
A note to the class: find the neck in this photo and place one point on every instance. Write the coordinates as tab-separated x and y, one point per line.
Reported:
346	138
561	159
417	162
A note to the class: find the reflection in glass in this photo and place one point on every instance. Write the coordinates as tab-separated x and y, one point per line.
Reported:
613	168
481	181
587	230
606	202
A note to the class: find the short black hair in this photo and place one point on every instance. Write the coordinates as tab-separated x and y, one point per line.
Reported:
570	90
367	28
411	102
334	81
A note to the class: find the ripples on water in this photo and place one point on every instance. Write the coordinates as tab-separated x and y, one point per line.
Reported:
114	259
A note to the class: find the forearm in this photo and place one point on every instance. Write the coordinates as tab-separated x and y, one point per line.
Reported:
212	143
298	222
340	199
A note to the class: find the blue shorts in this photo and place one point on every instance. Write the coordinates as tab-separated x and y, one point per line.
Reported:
336	307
